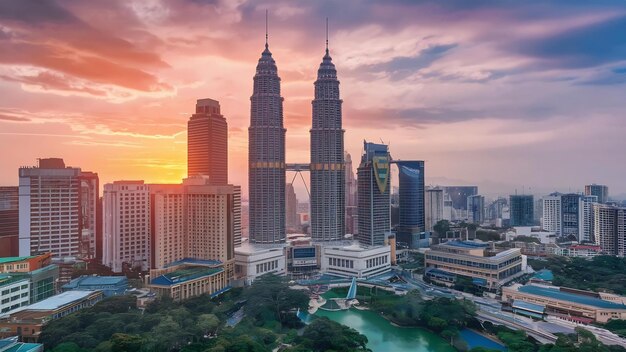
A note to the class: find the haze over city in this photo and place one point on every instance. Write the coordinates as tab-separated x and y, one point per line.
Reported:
504	95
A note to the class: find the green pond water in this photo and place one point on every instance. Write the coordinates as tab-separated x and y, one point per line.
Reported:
384	337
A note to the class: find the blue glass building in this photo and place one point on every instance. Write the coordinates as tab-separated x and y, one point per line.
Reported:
412	220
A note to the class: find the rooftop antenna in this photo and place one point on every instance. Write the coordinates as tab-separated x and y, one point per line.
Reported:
266	20
327	35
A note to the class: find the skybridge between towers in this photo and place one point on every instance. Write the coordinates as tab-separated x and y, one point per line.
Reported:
298	168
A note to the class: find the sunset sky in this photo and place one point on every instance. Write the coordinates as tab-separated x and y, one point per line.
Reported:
501	94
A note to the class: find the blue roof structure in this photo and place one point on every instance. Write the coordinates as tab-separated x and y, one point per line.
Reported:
556	293
439	272
466	244
479	281
184	275
11	344
219	292
537	308
95	281
544	274
194	261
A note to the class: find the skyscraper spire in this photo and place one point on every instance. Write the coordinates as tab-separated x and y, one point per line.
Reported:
266	36
326	35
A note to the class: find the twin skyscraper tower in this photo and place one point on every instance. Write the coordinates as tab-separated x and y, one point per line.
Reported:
266	156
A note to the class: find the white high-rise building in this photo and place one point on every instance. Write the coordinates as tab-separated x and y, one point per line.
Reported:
126	221
551	219
57	210
585	224
609	230
433	201
168	217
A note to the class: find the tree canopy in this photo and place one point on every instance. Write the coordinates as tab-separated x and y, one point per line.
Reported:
601	273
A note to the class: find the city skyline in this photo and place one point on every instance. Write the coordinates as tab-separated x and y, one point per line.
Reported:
120	108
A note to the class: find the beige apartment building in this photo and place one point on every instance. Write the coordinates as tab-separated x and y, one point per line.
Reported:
487	267
195	219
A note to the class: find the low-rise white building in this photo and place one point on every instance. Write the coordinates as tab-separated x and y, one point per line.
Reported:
355	260
252	261
546	237
14	292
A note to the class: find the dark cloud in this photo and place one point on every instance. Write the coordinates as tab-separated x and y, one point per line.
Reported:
605	77
400	67
587	46
13	118
420	117
34	12
412	117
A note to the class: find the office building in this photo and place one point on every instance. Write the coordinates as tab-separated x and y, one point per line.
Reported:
486	267
458	199
600	191
328	193
27	322
41	274
351	196
109	285
374	210
126	233
266	155
291	206
195	219
433	202
207	142
189	278
538	211
496	209
567	303
476	209
89	198
56	208
551	219
521	210
570	213
9	221
585	216
412	217
610	229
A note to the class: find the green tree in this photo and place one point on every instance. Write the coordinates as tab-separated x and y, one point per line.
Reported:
208	323
68	347
126	343
442	227
270	297
326	335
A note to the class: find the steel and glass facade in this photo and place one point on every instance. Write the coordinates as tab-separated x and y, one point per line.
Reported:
266	155
328	192
411	195
522	210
